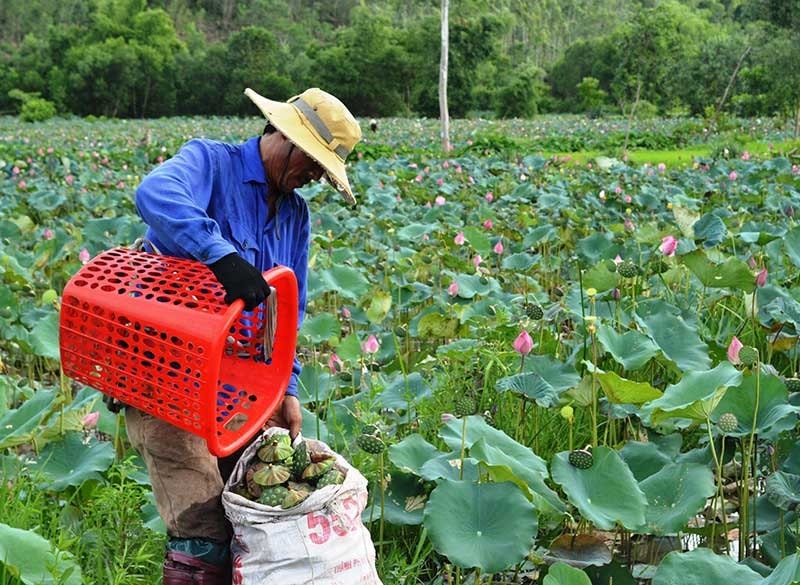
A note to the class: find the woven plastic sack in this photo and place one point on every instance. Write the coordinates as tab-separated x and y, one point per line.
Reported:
321	541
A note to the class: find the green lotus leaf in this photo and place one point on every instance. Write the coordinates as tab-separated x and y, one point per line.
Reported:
703	567
477	429
404	501
711	229
678	341
596	491
530	385
696	395
791	245
314	384
563	574
775	414
403	392
646	459
71	462
414	231
379	307
674	495
34	560
470	285
344	280
774	547
545	499
44	337
621	391
491	526
783	490
320	328
17	426
733	273
449	466
595	247
600	278
478	240
632	349
520	262
412	453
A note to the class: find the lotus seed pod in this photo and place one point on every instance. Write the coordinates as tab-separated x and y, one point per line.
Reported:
534	311
728	423
611	266
275	448
371	444
271	474
295	494
581	458
254	488
568	413
748	356
464	405
273	495
331	477
300	459
628	269
793	384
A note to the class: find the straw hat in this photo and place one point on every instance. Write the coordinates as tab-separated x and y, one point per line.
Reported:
319	125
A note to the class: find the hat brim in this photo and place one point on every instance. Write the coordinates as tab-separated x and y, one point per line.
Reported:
288	121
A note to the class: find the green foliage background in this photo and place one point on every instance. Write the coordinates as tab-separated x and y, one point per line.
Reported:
508	58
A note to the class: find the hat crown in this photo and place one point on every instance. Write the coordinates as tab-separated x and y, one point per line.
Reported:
329	118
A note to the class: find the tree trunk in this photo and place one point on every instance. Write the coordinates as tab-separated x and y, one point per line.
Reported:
797	121
631	114
731	81
443	112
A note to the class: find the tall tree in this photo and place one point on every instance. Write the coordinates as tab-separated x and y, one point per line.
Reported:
444	114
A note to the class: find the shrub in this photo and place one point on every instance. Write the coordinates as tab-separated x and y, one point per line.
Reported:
37	110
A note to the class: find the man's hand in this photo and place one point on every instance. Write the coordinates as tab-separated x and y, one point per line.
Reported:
241	280
288	416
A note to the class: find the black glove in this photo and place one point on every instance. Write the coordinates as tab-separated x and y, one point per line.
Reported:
241	280
112	404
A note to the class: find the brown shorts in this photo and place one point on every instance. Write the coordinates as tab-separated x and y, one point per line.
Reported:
187	480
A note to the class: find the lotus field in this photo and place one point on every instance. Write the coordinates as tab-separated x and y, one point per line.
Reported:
572	369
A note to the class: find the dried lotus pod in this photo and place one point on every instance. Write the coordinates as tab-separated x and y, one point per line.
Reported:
271	474
320	463
275	448
296	493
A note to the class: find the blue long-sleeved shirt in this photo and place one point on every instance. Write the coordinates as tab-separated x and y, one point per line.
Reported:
210	199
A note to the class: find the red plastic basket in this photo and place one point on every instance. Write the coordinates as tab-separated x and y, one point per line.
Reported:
155	333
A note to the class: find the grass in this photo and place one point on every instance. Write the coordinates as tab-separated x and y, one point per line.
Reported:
684	157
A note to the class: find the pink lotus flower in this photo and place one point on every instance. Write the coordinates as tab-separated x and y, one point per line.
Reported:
445	164
733	350
90	420
761	277
732	176
440	200
668	245
84	256
459	239
371	345
440	181
488	224
629	225
345	312
498	247
476	260
15	171
446	417
618	260
22	185
47	234
335	363
523	344
452	290
617	189
69	179
418	178
662	167
489	197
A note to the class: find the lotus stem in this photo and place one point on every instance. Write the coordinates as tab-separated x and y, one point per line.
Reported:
463	448
383	497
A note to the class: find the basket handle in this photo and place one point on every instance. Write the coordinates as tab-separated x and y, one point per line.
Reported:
270	322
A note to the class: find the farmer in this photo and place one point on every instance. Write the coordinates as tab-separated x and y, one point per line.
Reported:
234	208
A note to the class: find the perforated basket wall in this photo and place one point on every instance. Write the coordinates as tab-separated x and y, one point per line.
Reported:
154	332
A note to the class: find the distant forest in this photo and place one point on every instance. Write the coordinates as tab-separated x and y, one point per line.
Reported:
508	58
